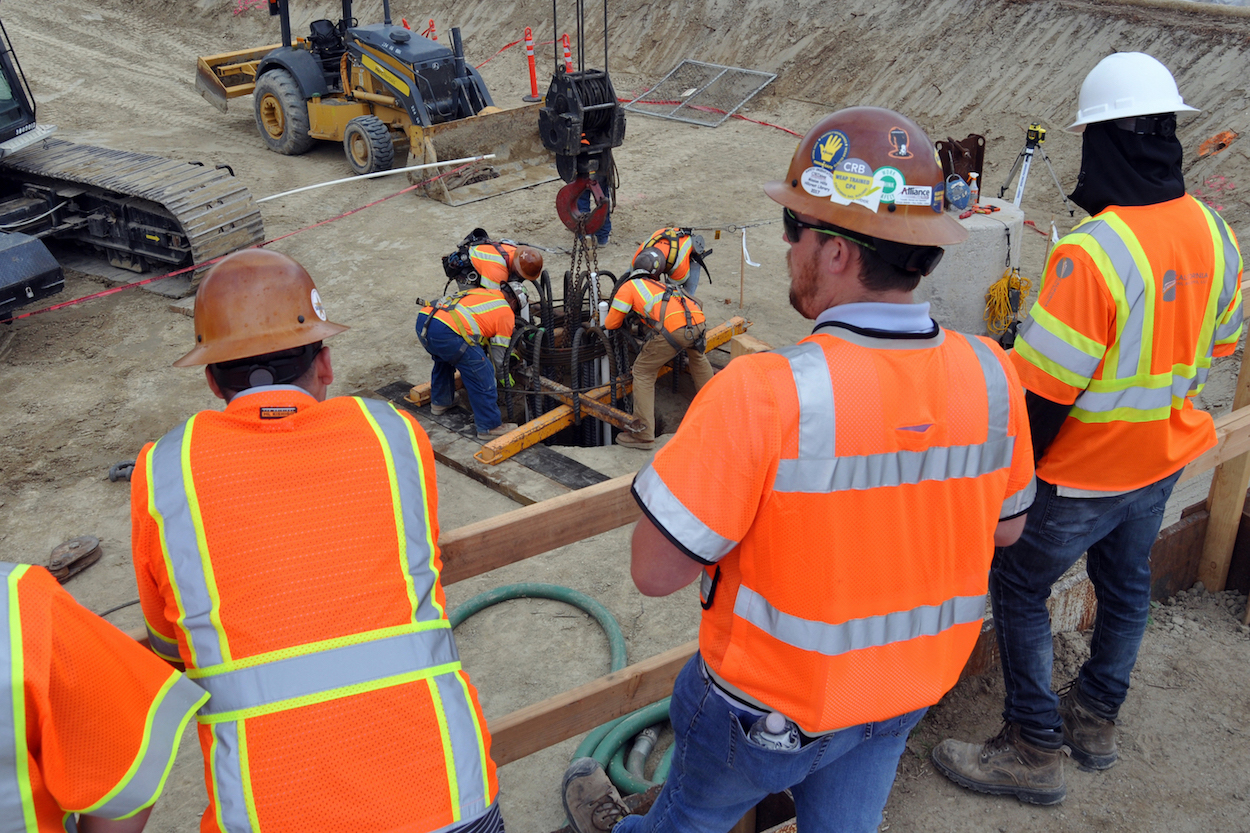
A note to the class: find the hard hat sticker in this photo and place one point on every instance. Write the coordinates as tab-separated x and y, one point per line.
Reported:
818	182
830	149
914	195
889	180
901	142
938	191
317	306
853	178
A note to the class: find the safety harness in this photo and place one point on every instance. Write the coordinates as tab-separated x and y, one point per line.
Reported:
697	340
672	236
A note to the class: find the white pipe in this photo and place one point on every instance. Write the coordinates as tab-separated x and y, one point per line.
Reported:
605	371
378	174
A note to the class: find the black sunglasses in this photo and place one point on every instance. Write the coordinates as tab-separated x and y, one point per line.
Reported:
793	228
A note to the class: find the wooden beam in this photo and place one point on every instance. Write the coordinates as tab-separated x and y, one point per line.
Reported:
541	527
1225	502
560	417
1232	432
594	407
526	731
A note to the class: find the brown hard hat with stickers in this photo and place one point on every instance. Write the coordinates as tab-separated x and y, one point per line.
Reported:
874	171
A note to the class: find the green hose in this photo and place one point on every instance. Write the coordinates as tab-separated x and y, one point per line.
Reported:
605	743
611	750
529	590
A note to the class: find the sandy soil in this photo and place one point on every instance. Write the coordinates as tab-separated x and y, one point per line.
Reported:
85	387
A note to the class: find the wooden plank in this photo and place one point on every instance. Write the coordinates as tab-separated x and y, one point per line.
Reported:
1232	432
513	536
592	407
560	417
746	344
1225	501
526	731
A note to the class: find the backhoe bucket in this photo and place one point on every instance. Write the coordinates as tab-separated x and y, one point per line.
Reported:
229	75
512	135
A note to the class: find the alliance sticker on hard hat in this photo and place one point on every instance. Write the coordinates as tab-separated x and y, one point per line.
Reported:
830	149
818	182
914	195
889	180
317	306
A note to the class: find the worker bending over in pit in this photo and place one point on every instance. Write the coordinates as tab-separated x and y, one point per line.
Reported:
861	479
90	720
683	256
674	323
1134	303
286	551
470	332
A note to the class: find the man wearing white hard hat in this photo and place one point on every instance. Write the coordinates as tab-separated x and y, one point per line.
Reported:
1135	303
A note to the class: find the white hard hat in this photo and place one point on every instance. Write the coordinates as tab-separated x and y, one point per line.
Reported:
1127	84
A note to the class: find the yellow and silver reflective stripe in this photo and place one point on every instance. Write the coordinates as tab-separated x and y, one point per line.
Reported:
161	645
17	805
819	469
467	769
668	513
1229	258
1126	271
304	676
231	791
856	634
168	714
1112	402
490	254
172	503
1067	355
412	511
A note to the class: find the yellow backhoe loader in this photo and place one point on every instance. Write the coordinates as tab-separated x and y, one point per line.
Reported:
377	89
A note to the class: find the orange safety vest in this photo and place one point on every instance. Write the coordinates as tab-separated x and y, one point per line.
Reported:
648	297
859	481
89	720
1134	304
287	552
491	261
479	316
676	248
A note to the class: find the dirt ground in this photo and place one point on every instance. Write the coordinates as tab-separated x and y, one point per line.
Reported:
84	387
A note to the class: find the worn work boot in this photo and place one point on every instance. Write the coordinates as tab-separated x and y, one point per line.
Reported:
1090	738
590	801
632	441
1006	764
439	410
497	431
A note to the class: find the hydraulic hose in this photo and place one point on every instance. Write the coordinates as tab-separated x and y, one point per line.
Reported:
530	590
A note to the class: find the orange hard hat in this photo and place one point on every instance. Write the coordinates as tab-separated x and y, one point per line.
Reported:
255	302
874	171
527	262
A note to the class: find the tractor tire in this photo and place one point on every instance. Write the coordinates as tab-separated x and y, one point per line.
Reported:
367	145
281	113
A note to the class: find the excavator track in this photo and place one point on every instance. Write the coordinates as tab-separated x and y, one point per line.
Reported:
214	212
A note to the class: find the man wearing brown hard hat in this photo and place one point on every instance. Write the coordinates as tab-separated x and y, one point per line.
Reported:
286	553
864	477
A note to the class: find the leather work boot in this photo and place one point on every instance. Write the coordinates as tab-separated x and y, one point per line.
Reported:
630	441
439	410
590	801
497	431
1006	764
1089	738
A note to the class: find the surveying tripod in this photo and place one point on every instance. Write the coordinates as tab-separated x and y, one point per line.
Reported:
1034	136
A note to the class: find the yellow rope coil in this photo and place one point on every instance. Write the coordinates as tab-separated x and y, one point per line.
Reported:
1004	300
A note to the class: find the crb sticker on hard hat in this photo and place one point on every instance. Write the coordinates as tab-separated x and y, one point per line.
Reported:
317	306
854	184
889	181
830	149
818	182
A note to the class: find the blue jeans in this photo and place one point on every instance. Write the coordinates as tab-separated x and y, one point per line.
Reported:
840	781
451	353
601	236
1118	533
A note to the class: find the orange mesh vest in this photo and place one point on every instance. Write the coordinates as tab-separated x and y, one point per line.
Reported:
1134	304
856	586
647	297
491	262
299	568
675	247
89	720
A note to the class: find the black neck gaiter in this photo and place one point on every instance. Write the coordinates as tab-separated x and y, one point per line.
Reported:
1122	168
